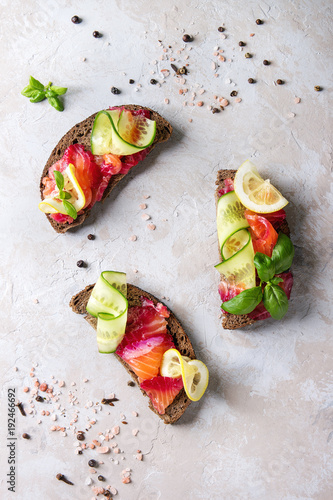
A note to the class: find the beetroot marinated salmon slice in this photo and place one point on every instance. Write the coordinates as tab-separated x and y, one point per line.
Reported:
162	391
144	322
145	356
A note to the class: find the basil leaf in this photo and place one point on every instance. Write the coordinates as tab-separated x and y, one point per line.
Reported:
56	103
66	195
50	93
276	280
37	96
28	91
275	301
59	178
70	209
35	84
59	90
245	302
265	266
283	253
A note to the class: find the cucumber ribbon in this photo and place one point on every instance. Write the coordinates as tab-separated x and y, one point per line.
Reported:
235	242
108	303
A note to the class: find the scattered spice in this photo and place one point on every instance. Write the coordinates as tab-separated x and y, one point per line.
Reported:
251	80
109	401
91	236
233	93
130	81
241	44
266	63
248	55
124	422
187	38
80	436
101	478
318	88
259	21
93	463
76	20
115	91
80	263
20	407
220	29
182	71
131	383
97	34
153	81
215	110
25	436
174	67
280	82
61	477
39	399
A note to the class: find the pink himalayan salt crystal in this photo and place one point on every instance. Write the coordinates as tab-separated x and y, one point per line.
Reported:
146	196
145	217
238	99
126	480
115	430
26	389
61	383
134	413
139	456
116	450
133	237
135	432
224	102
297	100
166	101
103	449
200	103
151	227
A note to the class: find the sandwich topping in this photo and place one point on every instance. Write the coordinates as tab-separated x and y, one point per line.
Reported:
120	139
139	336
256	257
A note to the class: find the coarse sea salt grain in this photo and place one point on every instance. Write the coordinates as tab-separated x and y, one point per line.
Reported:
133	237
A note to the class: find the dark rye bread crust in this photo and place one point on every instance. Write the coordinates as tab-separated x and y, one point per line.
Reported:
234	321
176	409
80	134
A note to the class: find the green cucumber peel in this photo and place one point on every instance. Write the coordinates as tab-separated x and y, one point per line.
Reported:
37	92
245	302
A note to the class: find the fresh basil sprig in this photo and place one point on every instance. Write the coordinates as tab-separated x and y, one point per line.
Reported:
273	296
64	195
37	93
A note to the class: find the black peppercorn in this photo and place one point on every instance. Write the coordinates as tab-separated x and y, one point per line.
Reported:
91	236
97	34
25	436
131	383
93	463
220	29
153	81
101	478
187	38
318	88
266	63
76	20
248	55
280	82
115	91
215	110
233	93
39	399
241	44
259	21
131	81
182	71
107	493
80	436
80	263
251	80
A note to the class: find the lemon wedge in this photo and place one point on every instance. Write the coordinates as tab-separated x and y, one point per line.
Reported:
254	192
71	185
194	372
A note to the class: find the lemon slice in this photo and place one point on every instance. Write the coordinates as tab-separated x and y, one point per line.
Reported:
194	373
254	192
71	185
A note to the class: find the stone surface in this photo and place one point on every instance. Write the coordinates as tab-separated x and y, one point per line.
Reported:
264	428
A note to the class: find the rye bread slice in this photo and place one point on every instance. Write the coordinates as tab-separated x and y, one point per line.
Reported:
176	409
80	134
234	321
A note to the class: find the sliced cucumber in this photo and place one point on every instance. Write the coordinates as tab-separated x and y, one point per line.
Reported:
136	129
105	137
239	269
230	217
234	243
109	305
